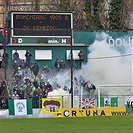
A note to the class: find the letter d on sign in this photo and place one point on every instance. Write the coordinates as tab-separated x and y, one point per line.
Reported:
20	40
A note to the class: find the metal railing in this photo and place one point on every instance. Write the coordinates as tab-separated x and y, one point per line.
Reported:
105	101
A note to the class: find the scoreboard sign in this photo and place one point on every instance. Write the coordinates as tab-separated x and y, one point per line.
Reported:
32	24
38	40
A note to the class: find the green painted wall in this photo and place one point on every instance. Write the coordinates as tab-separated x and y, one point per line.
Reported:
58	52
84	37
89	37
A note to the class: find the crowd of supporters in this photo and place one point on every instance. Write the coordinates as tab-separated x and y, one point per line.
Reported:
29	81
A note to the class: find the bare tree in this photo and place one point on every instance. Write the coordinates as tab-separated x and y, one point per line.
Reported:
92	19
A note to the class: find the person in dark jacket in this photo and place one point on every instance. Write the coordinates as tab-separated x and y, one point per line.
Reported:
4	88
57	65
15	67
35	69
32	67
15	55
89	89
28	58
81	57
5	58
28	91
63	65
49	87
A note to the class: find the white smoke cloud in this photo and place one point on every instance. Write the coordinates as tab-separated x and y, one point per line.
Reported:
115	70
104	71
108	71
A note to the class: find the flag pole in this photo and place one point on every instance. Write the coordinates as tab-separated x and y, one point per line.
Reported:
71	51
81	89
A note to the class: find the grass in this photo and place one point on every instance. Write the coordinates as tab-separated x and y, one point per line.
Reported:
114	124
